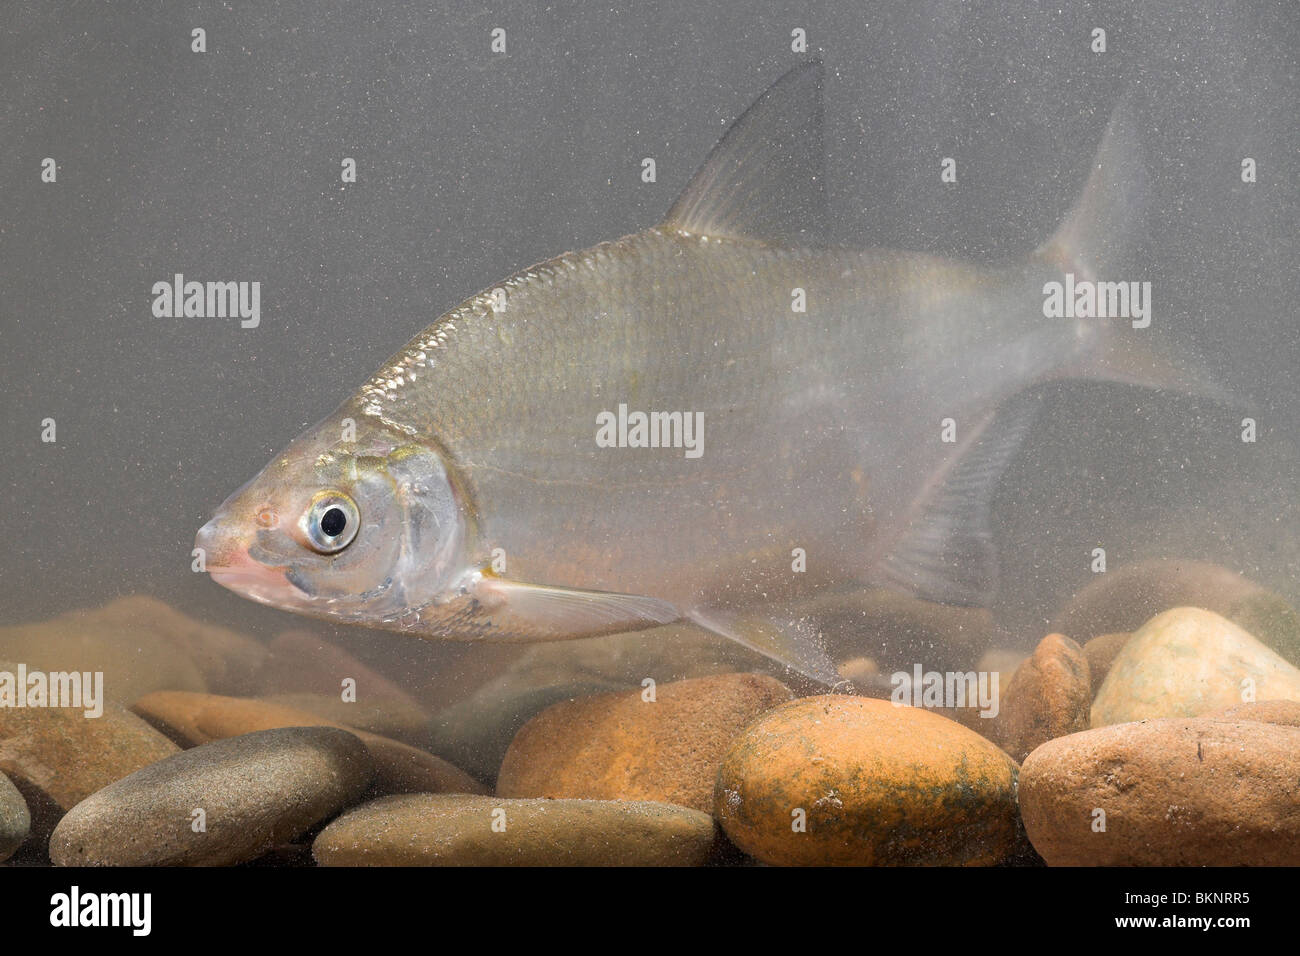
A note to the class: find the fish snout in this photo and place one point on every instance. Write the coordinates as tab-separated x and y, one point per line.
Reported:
226	558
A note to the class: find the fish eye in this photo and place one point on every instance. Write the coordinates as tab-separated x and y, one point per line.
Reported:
330	522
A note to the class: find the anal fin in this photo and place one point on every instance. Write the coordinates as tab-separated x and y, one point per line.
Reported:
947	553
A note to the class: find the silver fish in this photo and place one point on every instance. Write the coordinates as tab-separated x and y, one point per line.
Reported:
817	434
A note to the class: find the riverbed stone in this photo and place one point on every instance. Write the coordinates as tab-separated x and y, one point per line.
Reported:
626	745
1101	652
456	830
1190	661
1166	792
199	718
255	791
837	780
1124	598
15	821
58	756
1049	695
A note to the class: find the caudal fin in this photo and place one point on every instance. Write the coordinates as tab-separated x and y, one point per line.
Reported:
1102	230
1099	242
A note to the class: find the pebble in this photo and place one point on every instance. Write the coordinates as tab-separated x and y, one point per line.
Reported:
1049	695
1284	712
15	821
454	830
1166	792
255	791
623	746
57	756
836	780
200	718
1189	661
1123	598
140	644
306	671
1101	652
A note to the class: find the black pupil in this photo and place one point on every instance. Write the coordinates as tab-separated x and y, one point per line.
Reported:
333	522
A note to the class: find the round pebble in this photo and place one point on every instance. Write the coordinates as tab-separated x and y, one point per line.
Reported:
224	802
456	830
837	780
1169	792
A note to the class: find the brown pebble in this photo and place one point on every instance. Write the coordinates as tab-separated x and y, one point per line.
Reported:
455	830
622	746
1191	791
1048	696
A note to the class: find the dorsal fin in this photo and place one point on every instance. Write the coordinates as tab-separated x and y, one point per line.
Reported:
765	179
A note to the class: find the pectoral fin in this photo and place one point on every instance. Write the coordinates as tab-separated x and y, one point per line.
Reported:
790	639
515	611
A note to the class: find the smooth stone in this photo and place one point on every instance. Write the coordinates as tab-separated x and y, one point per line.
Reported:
133	660
449	830
1284	712
228	660
1101	652
15	821
1124	598
621	746
476	733
874	784
1175	792
199	718
57	756
306	671
390	718
1049	695
257	791
1189	661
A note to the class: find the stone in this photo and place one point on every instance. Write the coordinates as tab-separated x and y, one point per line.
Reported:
200	718
228	661
1284	712
1174	792
1101	652
390	718
15	821
1049	695
307	672
140	644
443	830
257	791
476	733
57	756
1124	598
1190	661
621	746
133	660
837	780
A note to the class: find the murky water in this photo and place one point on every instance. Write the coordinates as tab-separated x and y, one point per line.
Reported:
230	164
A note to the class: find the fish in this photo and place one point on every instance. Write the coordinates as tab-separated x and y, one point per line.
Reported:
520	472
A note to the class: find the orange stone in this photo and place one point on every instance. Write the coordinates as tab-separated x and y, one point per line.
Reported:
845	781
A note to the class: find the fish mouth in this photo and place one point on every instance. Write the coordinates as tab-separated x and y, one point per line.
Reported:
236	570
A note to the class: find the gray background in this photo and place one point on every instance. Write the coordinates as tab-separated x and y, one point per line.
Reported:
226	166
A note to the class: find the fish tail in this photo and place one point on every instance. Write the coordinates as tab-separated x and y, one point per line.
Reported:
1099	240
1102	230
